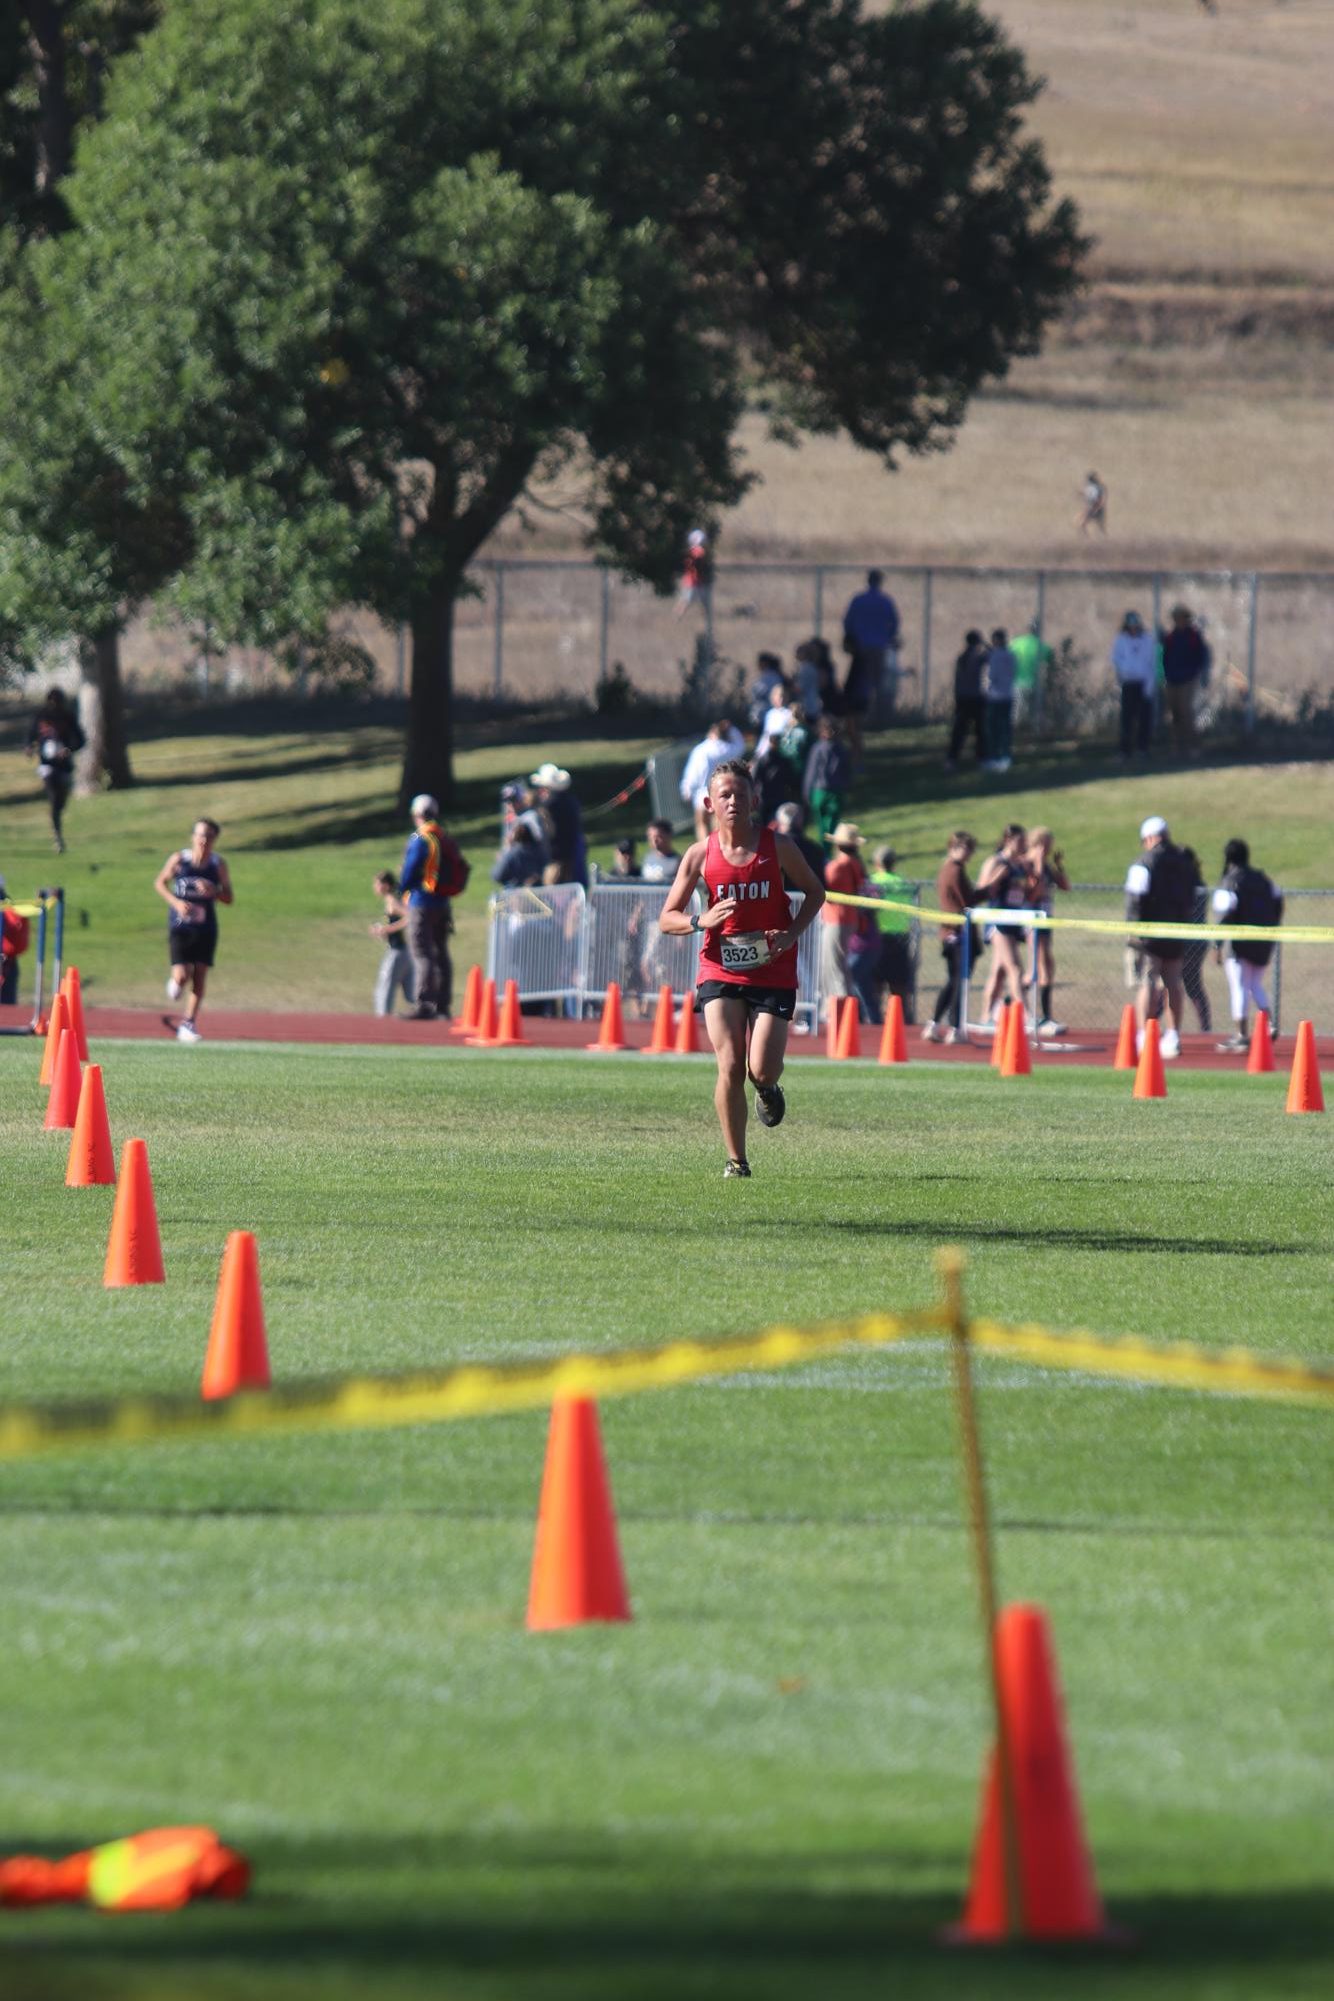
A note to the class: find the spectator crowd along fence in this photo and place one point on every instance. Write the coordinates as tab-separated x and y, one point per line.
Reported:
564	947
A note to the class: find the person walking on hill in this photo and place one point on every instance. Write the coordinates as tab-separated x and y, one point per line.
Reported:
1092	506
747	987
969	701
55	739
1186	665
433	874
955	895
1135	664
1246	895
192	882
1160	889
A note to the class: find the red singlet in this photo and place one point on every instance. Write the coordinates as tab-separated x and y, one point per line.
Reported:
762	905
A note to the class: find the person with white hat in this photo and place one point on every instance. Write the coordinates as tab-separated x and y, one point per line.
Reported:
569	849
433	873
1160	889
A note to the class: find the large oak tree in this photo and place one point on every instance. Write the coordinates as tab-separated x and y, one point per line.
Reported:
347	278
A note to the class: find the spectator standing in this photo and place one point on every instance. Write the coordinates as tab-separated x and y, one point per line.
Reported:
1186	664
1246	895
790	820
521	861
1006	882
433	874
1046	874
696	574
1135	664
396	963
722	745
954	894
1192	959
1092	506
768	676
1001	670
569	851
871	640
843	964
661	860
777	718
1032	656
54	739
15	932
811	684
969	702
193	882
893	965
775	781
828	776
1160	889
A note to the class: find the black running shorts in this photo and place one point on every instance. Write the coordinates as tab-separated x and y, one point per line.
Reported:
781	1001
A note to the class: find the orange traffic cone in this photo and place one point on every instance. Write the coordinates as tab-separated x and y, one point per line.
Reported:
1015	1059
577	1575
893	1039
62	1107
660	1042
92	1164
1000	1041
238	1355
488	1018
611	1033
472	1004
849	1030
59	1020
73	993
1053	1872
134	1249
833	1016
1125	1057
1260	1057
1304	1092
687	1035
1149	1079
511	1035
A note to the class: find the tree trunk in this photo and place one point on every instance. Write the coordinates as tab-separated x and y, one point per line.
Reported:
55	116
102	714
428	751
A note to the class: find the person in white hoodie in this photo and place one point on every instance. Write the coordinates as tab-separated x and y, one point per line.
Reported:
722	743
1135	661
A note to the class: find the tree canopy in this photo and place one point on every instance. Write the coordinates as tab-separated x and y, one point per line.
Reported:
344	279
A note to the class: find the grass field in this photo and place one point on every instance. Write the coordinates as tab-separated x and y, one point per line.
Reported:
766	1784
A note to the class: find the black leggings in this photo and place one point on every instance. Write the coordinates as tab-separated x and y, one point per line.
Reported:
948	997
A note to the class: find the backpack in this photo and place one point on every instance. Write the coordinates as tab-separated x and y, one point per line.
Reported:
1170	896
454	870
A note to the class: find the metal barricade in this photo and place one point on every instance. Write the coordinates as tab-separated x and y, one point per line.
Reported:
537	938
624	944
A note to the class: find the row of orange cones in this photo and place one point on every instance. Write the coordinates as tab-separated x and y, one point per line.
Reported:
237	1353
1305	1093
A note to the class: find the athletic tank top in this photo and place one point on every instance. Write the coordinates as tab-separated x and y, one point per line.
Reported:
1008	892
203	910
762	905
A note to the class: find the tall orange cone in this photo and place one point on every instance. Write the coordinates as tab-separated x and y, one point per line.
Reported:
1125	1057
472	1004
611	1033
92	1164
488	1018
238	1354
577	1575
62	1107
134	1249
1149	1079
1058	1892
660	1042
893	1038
849	1030
510	1034
832	1019
1015	1060
1304	1092
59	1020
1260	1057
73	993
1000	1041
687	1034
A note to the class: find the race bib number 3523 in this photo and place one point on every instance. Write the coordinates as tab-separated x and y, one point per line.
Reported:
743	950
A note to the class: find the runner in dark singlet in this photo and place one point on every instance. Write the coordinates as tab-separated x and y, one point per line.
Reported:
193	882
747	987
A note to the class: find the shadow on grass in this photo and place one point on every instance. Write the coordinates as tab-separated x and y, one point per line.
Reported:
571	1916
1041	1236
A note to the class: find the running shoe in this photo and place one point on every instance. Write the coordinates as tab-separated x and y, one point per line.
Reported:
770	1104
1050	1027
1236	1045
1170	1045
175	988
187	1032
737	1170
932	1033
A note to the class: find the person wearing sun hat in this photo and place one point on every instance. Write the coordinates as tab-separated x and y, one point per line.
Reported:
843	925
569	850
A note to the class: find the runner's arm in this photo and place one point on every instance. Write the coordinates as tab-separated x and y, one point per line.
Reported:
803	878
675	921
165	874
224	894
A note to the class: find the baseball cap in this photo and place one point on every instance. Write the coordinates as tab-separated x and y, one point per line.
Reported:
425	804
1155	824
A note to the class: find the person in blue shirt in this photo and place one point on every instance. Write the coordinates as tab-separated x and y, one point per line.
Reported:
433	873
871	640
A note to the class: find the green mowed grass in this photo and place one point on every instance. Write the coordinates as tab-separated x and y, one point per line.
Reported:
767	1783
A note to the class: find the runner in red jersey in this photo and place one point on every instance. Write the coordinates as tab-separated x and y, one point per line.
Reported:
747	988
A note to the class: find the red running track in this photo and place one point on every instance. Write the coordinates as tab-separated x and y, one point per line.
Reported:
222	1024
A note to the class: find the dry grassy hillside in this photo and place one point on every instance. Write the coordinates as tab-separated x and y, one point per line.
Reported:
1194	374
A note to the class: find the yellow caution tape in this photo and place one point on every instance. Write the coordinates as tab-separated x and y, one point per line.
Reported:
478	1390
1116	927
471	1390
1179	1364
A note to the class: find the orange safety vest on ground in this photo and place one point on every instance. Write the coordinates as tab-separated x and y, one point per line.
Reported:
156	1871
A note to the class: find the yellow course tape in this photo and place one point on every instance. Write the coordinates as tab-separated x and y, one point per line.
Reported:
1119	927
476	1390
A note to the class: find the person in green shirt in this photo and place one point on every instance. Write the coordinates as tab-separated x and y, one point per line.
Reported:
894	964
1031	655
